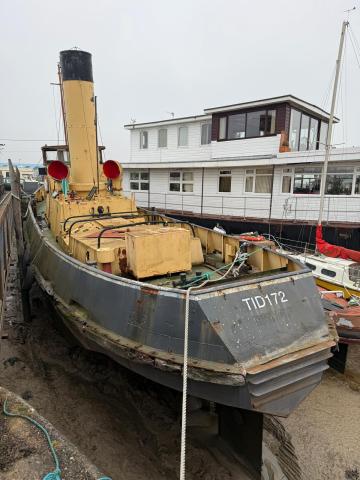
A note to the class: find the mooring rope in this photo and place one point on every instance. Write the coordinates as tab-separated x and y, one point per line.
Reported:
56	473
239	258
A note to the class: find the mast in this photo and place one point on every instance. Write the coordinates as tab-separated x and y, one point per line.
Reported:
62	103
331	121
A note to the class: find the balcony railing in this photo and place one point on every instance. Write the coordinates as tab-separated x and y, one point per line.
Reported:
260	206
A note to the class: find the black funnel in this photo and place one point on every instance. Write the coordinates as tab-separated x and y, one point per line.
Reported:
76	65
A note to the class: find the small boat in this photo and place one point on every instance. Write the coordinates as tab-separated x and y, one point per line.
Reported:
126	281
333	273
345	315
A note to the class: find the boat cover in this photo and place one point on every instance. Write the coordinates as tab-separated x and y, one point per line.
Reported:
334	251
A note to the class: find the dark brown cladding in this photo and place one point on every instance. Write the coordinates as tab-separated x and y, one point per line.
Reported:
282	117
283	111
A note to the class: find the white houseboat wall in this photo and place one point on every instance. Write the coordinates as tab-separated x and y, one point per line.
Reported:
250	166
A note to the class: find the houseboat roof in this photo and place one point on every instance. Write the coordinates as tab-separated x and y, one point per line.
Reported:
169	121
291	99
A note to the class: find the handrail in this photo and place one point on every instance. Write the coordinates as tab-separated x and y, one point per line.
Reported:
112	227
103	217
94	215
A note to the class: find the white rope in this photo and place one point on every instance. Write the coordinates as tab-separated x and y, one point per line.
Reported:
184	396
238	257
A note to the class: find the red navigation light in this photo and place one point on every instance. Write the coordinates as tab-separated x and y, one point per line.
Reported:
111	169
58	170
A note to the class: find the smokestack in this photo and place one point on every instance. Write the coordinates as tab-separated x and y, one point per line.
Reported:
79	105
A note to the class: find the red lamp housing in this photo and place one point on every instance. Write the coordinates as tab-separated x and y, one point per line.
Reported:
58	170
111	169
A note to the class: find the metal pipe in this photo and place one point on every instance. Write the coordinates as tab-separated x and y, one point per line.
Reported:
112	227
104	218
96	215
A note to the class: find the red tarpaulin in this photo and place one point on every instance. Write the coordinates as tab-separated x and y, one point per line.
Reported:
333	250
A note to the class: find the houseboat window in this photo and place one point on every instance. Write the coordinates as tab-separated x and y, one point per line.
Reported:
222	128
187	181
144	139
175	181
313	132
328	273
294	129
323	134
304	132
255	124
286	181
225	181
236	128
310	265
357	183
258	181
139	180
339	180
183	136
270	122
354	272
181	181
307	180
205	133
249	181
263	180
162	138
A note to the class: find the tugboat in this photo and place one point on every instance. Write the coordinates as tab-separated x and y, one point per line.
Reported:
120	278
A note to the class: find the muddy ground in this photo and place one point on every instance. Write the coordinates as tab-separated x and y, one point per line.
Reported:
130	428
127	426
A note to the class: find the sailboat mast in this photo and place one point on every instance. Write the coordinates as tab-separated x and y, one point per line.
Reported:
331	121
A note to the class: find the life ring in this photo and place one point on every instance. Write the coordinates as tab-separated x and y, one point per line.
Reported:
252	238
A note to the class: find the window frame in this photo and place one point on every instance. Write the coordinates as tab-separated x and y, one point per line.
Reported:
158	142
226	115
356	172
254	174
209	125
139	181
187	136
311	117
181	182
141	140
225	174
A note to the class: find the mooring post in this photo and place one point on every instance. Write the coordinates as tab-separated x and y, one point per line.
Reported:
16	206
243	431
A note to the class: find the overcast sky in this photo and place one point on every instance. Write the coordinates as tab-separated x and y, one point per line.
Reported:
151	57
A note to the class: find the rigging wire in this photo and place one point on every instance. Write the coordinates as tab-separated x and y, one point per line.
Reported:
55	113
28	140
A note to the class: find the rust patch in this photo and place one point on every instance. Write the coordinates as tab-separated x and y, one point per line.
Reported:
217	326
149	291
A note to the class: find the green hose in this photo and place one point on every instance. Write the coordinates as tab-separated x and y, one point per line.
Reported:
56	473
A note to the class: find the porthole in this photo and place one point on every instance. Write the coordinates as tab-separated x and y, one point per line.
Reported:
310	265
328	273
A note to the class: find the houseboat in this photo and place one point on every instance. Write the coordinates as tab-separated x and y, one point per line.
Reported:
254	166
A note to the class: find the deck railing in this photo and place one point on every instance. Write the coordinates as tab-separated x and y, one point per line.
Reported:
250	206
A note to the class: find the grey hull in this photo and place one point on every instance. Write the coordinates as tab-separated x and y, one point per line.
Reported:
260	345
